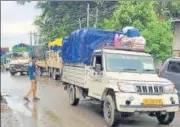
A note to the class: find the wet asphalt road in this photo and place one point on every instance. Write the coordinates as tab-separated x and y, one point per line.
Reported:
53	110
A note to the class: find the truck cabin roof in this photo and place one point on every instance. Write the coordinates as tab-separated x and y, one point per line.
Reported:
121	51
174	59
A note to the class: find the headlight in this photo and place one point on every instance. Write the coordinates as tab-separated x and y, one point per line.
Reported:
126	87
169	88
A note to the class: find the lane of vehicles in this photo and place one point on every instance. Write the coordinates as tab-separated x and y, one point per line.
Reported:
121	77
112	69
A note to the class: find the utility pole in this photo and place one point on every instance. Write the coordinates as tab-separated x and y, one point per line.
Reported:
79	23
30	35
31	52
88	15
35	38
95	25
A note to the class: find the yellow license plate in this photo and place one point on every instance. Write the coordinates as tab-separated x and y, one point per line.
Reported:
152	101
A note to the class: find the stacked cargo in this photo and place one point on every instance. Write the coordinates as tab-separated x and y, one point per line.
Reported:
130	38
79	45
49	58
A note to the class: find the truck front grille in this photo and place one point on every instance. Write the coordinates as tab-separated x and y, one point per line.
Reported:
18	66
150	89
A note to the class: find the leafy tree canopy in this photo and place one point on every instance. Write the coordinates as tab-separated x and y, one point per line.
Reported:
58	19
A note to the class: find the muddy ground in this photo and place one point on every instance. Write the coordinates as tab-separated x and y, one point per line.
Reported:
53	110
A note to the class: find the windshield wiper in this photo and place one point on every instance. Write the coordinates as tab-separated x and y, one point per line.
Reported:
129	69
148	70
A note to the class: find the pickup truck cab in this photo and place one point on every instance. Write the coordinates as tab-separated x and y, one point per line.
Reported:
19	63
125	83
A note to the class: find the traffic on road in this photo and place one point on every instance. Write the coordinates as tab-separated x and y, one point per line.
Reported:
90	63
53	110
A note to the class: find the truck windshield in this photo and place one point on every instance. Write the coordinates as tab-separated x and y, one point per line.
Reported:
16	55
130	63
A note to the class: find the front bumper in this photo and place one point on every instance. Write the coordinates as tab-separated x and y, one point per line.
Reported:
136	104
19	69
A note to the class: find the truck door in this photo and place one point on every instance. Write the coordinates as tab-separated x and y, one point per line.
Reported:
173	74
95	88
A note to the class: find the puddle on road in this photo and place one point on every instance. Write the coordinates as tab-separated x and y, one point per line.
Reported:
34	114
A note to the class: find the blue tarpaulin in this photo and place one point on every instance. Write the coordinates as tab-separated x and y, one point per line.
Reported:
55	48
79	46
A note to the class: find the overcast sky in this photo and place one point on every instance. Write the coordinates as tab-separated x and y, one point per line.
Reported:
17	22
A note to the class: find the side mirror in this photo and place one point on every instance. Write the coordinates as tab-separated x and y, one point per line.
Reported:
98	68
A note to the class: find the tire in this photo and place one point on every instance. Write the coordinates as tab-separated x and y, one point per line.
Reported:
54	76
12	73
21	73
60	76
72	96
49	72
166	119
40	71
111	116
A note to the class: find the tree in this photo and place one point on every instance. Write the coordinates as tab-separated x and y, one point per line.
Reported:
167	9
159	39
143	16
61	18
136	14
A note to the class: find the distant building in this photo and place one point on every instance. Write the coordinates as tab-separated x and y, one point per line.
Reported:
176	40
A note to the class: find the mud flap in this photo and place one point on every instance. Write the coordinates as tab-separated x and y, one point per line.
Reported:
79	92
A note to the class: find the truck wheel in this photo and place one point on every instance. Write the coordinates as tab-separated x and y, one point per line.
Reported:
55	77
109	111
72	96
166	119
12	73
40	71
49	72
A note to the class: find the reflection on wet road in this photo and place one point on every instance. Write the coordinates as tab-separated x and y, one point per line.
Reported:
53	110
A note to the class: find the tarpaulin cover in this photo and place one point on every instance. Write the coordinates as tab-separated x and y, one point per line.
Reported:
21	45
55	48
39	51
57	42
79	46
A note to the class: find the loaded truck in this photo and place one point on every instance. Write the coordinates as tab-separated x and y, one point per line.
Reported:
48	60
111	68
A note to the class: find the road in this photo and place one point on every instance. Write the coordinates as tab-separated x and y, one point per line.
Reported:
53	110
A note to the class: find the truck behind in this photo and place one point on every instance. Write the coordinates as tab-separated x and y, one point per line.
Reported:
49	59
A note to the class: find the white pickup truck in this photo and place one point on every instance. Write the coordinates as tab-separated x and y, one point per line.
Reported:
125	83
